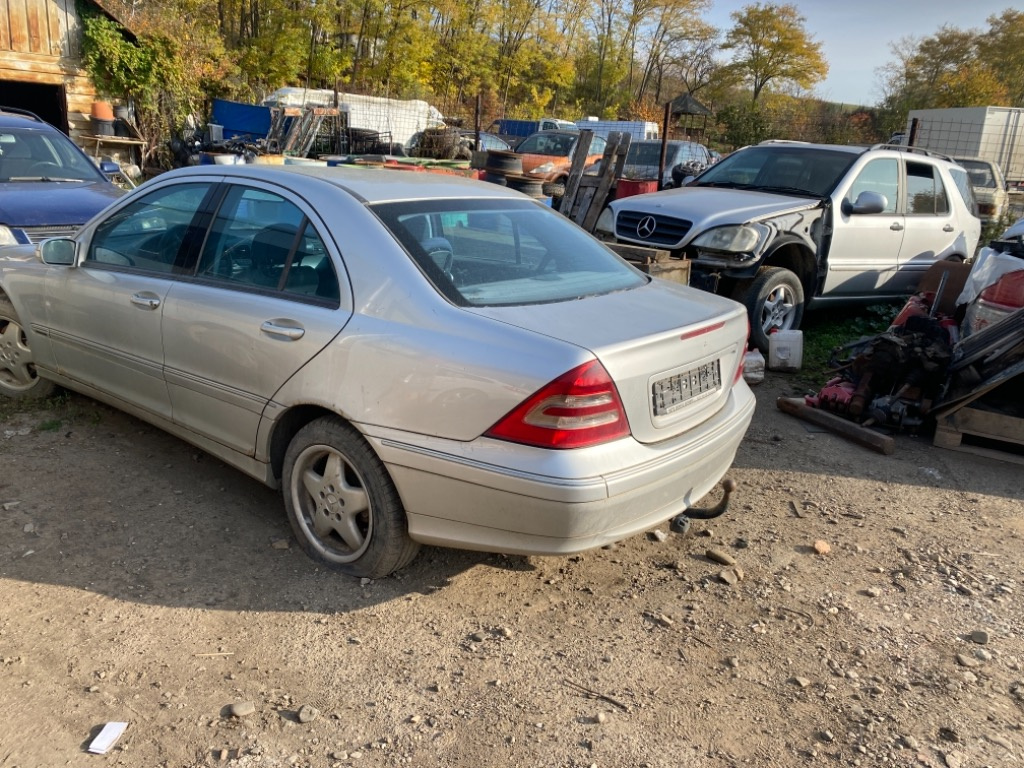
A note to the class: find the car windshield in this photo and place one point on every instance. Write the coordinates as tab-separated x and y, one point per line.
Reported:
504	252
554	144
29	154
980	173
795	170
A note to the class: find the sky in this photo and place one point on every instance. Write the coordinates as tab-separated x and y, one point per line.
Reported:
855	35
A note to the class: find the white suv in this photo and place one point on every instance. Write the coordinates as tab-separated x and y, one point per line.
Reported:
783	224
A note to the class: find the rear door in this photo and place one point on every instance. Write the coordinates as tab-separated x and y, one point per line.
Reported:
265	298
932	229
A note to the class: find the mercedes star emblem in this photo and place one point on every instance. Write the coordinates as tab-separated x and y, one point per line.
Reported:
646	227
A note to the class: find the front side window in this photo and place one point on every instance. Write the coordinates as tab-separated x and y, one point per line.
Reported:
504	252
150	233
881	176
926	194
262	241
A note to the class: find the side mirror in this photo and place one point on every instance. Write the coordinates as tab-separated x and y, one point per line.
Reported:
109	167
867	202
58	252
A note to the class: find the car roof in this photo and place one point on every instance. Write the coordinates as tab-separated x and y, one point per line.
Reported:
370	185
785	143
21	118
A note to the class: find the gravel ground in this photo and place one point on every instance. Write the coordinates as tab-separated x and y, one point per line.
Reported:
872	616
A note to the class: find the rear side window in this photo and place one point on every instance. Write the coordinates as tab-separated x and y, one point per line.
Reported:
262	241
926	194
962	184
504	252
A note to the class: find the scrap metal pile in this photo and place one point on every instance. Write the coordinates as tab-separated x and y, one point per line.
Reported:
959	342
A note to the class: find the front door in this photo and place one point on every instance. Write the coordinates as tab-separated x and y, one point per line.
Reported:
864	256
106	315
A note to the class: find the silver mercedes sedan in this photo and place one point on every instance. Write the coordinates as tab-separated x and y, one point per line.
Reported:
412	358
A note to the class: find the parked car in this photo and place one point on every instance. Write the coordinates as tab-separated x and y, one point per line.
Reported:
411	358
643	159
782	224
48	186
451	143
548	155
989	187
514	131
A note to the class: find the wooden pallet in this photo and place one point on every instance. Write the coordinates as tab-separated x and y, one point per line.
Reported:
951	429
586	196
655	262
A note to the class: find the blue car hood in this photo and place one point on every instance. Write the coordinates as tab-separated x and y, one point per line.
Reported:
54	203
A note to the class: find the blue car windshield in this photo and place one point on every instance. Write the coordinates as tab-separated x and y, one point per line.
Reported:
504	252
29	154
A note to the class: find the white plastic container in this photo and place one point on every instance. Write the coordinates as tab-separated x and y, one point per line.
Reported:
753	366
785	350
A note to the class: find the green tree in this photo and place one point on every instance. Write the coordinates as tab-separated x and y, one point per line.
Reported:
1004	47
771	46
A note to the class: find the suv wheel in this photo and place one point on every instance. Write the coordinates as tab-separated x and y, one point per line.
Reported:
774	301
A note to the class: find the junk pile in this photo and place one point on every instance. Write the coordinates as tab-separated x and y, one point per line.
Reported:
952	360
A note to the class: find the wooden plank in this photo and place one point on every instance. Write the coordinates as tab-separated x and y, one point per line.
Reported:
38	34
795	406
611	166
18	18
5	32
640	253
56	27
988	453
579	164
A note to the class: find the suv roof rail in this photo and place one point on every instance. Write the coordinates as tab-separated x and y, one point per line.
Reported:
917	150
22	112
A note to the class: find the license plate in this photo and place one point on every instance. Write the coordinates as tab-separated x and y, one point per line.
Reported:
673	392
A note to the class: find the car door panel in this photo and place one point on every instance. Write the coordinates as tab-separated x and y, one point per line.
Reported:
864	254
930	231
264	300
227	352
105	315
105	330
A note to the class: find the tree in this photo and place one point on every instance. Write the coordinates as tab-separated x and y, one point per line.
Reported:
1004	46
771	46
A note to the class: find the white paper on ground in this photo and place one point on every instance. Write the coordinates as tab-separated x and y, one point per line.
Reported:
105	739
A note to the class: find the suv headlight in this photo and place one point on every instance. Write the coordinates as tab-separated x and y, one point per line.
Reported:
605	222
545	168
7	236
735	239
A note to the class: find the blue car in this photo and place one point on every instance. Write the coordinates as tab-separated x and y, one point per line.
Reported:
48	186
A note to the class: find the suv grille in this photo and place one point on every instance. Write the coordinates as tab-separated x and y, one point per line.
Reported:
667	230
35	234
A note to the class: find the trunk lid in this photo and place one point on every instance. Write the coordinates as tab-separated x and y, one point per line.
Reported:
672	351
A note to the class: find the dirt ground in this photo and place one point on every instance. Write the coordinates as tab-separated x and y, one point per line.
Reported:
146	583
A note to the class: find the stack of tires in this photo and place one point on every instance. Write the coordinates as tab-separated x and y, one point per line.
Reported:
500	165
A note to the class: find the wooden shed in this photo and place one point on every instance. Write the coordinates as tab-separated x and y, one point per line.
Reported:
40	63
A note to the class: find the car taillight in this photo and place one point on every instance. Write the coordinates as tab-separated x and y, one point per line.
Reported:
578	409
994	303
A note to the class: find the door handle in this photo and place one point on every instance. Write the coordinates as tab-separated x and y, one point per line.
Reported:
896	227
948	228
290	332
146	301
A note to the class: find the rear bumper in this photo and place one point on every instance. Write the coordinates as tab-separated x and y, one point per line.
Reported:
493	496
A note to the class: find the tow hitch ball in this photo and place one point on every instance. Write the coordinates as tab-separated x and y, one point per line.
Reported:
681	523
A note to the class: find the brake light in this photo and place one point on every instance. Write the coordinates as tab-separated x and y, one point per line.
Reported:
578	409
1008	291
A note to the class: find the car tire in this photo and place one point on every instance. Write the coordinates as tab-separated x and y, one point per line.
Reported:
18	376
341	503
554	188
774	301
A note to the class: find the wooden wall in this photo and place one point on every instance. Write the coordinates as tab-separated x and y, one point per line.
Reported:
40	42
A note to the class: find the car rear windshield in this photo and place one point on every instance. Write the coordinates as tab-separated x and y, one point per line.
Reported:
796	170
30	154
504	252
980	173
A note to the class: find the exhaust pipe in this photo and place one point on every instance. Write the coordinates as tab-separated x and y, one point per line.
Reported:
681	523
